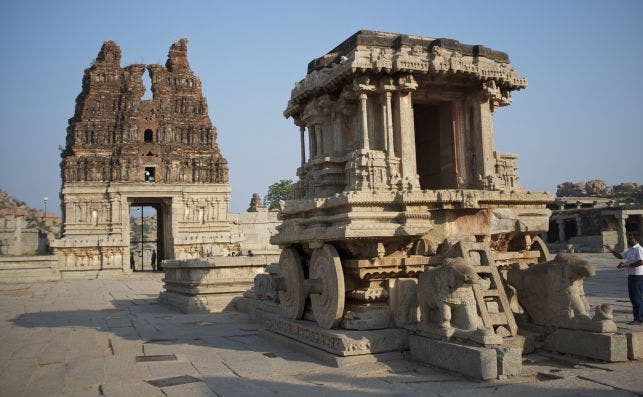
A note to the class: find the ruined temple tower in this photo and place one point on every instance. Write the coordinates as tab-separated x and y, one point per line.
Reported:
122	150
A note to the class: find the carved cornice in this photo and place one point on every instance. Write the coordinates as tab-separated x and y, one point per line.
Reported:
427	56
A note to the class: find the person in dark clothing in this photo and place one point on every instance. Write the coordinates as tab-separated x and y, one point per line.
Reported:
154	260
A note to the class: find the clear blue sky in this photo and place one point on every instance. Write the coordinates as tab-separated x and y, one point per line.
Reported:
580	118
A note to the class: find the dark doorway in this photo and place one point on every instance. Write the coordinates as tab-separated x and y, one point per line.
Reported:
552	233
146	237
433	145
571	229
148	136
633	226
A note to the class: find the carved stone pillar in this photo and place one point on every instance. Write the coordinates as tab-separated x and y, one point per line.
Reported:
337	133
622	231
363	118
406	130
302	131
486	135
311	142
561	230
390	147
362	85
319	141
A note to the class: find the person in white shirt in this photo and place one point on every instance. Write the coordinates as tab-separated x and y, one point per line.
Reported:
632	260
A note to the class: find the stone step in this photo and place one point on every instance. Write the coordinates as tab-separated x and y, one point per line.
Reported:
498	318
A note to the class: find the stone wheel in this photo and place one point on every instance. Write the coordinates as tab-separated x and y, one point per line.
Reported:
292	298
539	245
328	306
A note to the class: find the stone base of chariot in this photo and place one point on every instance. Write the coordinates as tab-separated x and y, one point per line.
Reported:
337	347
477	362
210	285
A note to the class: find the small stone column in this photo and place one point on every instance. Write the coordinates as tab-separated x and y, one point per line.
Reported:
362	85
561	230
390	148
579	221
363	117
311	142
319	140
622	231
406	129
337	133
486	137
302	131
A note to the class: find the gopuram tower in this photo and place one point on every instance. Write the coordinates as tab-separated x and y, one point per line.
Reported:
123	151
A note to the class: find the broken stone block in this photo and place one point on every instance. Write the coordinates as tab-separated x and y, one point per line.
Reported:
472	361
606	347
634	345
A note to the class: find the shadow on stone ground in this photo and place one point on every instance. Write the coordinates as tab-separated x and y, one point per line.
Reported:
82	338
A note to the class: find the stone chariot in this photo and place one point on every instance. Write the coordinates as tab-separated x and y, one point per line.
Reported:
398	172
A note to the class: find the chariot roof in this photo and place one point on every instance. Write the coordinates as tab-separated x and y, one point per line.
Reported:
390	53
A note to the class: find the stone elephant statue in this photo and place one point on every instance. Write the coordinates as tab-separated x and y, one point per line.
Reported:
446	298
552	294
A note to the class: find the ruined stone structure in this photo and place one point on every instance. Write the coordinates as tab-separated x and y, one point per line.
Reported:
122	150
256	226
587	215
215	283
16	237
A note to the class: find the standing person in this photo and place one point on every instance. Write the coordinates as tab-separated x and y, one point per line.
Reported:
154	260
131	261
633	262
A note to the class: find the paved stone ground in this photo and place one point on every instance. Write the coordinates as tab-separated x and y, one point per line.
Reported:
83	338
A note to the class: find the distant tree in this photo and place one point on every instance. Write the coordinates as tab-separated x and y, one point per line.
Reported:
282	190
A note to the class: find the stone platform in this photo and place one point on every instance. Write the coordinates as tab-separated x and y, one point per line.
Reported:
340	342
212	284
335	347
